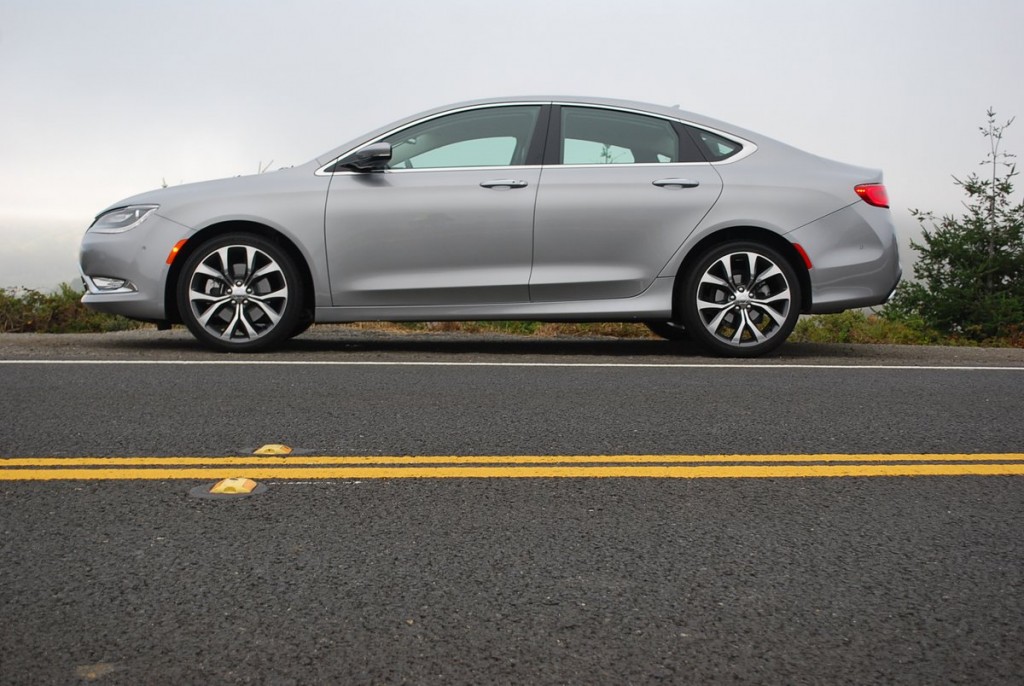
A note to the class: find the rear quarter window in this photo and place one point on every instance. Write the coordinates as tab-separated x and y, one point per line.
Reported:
714	147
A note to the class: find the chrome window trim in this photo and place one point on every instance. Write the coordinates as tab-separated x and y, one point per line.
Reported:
748	147
628	165
350	172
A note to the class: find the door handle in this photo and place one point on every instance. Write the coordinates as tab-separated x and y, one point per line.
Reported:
676	183
503	183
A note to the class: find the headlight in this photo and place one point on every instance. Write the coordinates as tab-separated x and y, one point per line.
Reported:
122	219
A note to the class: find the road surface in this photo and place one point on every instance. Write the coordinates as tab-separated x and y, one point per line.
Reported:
479	509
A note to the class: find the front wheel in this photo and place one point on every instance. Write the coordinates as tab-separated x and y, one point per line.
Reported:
740	299
240	293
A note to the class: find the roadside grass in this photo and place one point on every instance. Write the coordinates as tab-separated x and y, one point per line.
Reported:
24	310
856	326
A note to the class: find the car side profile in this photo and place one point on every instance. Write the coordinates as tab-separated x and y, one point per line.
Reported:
541	208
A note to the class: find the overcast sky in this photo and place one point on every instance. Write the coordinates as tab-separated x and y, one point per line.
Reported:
104	99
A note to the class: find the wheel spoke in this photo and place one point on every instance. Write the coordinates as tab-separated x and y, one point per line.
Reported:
707	305
715	323
263	271
279	293
771	271
250	262
249	328
751	269
207	270
737	337
768	305
745	323
225	263
213	299
710	278
204	318
230	328
274	316
726	263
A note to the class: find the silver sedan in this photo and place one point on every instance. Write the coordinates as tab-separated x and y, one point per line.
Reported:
551	209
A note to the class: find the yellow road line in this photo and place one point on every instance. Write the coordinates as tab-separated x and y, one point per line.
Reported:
367	460
529	471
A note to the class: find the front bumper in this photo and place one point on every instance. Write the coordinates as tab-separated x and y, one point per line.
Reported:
139	257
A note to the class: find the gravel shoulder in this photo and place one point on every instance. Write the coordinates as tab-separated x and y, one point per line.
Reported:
332	342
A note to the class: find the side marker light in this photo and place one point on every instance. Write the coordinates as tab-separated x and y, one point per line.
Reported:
803	254
175	250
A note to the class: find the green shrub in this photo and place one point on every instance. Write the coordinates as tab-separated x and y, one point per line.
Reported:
25	310
969	272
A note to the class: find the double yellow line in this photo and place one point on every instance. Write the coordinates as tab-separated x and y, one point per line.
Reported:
511	466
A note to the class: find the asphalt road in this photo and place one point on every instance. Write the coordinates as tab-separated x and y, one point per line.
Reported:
827	579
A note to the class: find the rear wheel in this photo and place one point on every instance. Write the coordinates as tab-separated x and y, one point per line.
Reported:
741	299
240	293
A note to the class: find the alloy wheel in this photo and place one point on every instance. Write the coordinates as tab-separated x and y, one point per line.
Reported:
745	299
238	293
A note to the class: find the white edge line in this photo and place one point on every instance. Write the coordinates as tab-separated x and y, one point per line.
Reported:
582	365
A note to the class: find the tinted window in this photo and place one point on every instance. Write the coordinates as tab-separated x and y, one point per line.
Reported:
494	137
714	147
593	136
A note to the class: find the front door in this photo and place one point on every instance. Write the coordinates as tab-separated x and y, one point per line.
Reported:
449	222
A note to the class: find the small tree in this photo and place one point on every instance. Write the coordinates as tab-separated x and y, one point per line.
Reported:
970	273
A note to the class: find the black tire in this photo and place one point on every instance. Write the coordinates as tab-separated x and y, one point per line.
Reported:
240	293
305	321
740	299
669	330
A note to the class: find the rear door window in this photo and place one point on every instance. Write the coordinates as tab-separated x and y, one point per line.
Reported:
599	136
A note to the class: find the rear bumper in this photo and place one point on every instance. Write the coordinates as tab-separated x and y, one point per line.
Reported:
855	258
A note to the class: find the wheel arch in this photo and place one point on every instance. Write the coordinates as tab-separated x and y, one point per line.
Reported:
196	240
754	234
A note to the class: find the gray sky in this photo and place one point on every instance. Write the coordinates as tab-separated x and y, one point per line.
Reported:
104	99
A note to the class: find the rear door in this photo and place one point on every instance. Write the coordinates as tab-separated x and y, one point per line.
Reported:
621	191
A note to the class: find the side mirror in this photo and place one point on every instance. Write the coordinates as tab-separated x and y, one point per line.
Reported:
369	159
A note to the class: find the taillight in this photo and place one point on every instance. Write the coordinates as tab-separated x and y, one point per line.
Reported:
873	194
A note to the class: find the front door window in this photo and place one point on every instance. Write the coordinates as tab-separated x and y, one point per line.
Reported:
492	137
